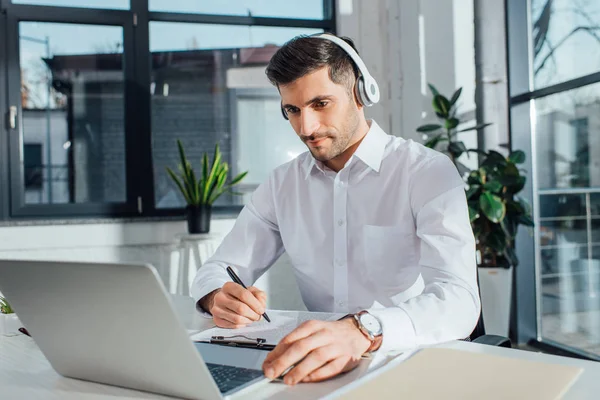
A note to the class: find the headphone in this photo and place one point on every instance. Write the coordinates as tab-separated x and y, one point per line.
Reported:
366	88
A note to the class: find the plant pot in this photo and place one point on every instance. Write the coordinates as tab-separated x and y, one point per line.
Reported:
198	218
495	286
9	324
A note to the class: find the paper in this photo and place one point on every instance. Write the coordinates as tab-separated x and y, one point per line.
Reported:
282	323
465	375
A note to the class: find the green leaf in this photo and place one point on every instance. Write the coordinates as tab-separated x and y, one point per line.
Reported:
494	159
433	89
480	126
428	128
457	148
179	185
526	220
473	214
238	178
434	141
451	123
472	190
441	105
474	178
492	206
496	239
517	186
493	186
455	96
517	157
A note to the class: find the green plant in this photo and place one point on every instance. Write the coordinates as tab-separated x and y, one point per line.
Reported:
495	210
5	308
212	182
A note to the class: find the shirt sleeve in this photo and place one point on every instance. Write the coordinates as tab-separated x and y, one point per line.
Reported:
449	306
251	247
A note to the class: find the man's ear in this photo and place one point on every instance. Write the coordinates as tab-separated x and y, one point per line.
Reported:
359	105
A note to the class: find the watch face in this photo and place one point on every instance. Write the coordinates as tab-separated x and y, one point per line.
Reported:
371	324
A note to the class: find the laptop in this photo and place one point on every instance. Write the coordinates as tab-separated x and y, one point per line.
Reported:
116	324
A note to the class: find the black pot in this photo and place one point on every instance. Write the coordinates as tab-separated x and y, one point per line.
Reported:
198	218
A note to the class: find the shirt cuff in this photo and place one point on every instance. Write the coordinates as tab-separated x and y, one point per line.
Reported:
198	292
398	330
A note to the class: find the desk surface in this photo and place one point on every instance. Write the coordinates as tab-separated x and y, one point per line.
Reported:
26	374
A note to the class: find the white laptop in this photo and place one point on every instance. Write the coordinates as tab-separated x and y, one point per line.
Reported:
116	324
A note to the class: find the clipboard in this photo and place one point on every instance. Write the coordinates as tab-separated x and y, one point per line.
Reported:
239	341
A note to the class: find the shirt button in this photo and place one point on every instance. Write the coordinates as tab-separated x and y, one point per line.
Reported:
341	303
339	262
340	222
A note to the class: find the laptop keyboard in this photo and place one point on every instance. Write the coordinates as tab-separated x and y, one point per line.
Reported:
229	378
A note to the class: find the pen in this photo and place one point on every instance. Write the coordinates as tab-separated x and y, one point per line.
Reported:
237	280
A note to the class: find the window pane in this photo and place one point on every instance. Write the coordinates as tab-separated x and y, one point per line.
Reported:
73	113
567	138
111	4
566	43
208	87
308	9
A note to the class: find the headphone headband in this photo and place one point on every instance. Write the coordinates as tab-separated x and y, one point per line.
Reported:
348	49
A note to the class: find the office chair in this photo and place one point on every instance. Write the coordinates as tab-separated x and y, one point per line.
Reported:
479	336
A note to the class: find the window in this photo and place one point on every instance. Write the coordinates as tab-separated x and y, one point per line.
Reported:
113	4
97	115
559	128
566	40
75	110
198	71
310	9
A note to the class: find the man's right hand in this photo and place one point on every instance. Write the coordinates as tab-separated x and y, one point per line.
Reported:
232	306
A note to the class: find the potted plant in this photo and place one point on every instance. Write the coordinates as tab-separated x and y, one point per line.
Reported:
9	322
201	192
495	210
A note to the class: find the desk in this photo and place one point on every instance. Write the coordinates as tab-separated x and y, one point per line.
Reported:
26	374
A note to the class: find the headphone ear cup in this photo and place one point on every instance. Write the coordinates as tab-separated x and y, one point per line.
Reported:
360	92
370	90
285	116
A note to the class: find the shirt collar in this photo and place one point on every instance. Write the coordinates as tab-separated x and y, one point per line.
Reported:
370	150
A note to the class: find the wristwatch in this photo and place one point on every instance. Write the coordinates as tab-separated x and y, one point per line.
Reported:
370	326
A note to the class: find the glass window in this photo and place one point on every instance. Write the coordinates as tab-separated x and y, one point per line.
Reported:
566	40
567	137
209	86
73	113
111	4
308	9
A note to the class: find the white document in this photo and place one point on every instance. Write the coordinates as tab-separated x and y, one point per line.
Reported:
282	323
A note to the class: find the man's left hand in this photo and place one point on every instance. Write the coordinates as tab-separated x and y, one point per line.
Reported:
317	350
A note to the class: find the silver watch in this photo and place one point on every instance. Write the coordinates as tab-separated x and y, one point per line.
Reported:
369	325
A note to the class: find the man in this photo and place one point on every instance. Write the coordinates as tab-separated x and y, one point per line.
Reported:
374	225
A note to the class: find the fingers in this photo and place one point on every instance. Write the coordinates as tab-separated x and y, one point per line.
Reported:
245	296
332	368
302	331
228	311
260	295
312	362
293	353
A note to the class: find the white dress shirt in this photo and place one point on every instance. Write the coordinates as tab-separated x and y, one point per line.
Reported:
388	233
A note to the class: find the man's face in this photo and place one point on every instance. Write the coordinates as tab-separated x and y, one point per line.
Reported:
323	114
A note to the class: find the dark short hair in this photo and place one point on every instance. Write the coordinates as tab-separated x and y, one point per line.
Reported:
305	54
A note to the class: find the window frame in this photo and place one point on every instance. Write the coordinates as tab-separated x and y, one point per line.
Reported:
135	22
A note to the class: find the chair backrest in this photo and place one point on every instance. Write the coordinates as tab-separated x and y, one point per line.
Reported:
480	327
